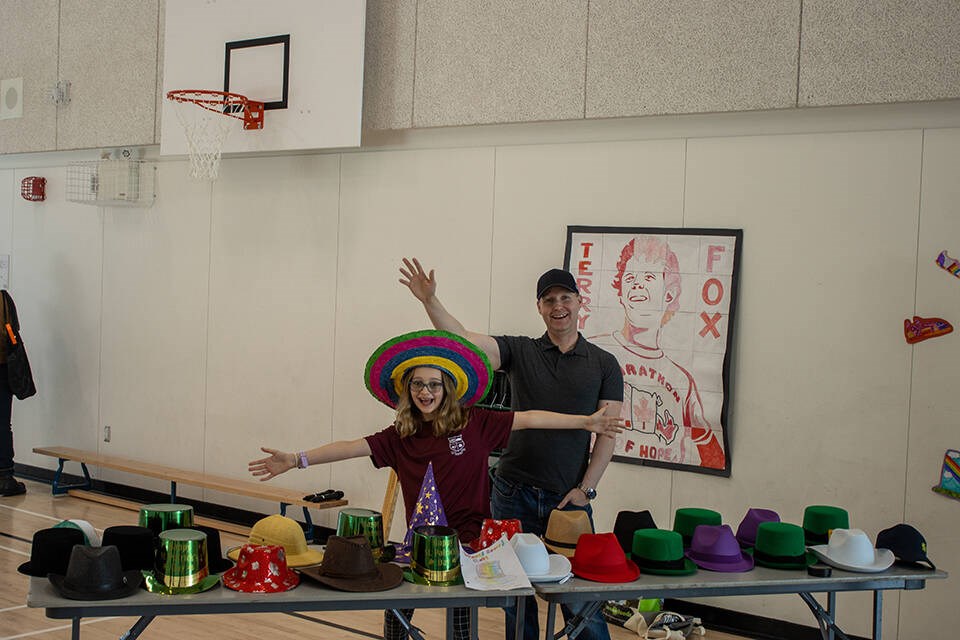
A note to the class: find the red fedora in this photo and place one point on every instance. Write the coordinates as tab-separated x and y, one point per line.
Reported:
600	558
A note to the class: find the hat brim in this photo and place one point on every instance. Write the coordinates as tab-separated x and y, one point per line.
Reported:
808	559
743	563
308	558
389	576
882	560
627	573
466	363
152	584
233	581
131	583
689	568
559	568
28	570
410	575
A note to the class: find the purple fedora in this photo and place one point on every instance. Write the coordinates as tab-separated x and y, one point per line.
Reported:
747	531
715	548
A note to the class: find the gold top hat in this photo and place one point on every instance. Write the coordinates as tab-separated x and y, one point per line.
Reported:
163	516
564	528
283	532
435	556
362	522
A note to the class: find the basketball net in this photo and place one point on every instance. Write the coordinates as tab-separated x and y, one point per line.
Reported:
206	129
206	133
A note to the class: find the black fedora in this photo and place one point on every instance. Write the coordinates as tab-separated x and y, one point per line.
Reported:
95	573
50	551
216	563
137	546
629	522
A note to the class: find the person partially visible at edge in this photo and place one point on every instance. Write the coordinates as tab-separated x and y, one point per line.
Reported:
431	426
559	371
9	486
661	400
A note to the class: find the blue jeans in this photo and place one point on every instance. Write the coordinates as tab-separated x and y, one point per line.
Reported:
532	506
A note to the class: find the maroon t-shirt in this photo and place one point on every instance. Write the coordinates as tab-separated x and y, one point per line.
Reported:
460	465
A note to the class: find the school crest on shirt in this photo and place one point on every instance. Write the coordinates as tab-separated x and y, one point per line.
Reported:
457	446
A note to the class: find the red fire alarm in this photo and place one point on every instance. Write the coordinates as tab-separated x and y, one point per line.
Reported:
34	188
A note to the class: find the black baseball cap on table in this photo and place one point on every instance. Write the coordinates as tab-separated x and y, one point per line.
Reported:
556	278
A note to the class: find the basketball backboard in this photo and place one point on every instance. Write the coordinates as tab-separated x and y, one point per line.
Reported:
302	58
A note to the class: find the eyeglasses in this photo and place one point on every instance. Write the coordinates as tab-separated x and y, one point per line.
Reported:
433	386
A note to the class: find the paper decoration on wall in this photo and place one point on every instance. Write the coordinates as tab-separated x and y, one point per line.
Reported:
920	329
950	264
663	302
950	475
429	510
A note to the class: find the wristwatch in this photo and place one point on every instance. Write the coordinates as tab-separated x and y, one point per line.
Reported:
590	492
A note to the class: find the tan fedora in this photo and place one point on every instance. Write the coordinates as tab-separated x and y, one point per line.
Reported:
564	528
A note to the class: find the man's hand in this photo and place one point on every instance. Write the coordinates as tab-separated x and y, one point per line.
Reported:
421	284
278	462
574	496
604	425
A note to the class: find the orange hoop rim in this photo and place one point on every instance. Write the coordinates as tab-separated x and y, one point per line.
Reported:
212	100
225	103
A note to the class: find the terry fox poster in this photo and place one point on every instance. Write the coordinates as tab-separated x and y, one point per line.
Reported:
663	302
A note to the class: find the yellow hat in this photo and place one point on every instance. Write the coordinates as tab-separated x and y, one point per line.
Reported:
285	532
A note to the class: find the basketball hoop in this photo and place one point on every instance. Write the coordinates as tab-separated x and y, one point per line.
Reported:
205	130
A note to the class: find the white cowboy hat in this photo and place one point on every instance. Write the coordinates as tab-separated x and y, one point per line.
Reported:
537	563
851	549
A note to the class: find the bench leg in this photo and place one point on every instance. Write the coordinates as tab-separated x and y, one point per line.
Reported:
59	489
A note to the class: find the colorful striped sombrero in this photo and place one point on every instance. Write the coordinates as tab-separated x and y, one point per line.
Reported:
459	358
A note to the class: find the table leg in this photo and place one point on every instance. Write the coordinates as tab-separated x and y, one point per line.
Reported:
75	629
551	620
831	610
877	614
520	604
137	628
825	620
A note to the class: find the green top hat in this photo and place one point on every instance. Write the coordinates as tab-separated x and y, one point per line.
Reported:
434	557
689	518
163	516
362	522
820	519
780	545
182	564
660	552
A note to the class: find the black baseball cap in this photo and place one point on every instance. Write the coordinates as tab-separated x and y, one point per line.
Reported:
907	544
556	278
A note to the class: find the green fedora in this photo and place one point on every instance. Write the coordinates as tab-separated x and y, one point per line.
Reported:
660	552
780	545
820	519
362	522
687	519
182	564
163	516
434	557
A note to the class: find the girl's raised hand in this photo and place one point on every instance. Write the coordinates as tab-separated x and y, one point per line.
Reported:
276	463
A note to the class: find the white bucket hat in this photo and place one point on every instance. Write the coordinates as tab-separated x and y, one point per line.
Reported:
851	549
537	563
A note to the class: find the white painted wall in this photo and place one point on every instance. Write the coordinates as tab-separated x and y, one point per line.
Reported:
241	313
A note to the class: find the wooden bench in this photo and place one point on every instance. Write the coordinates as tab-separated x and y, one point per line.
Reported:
252	489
